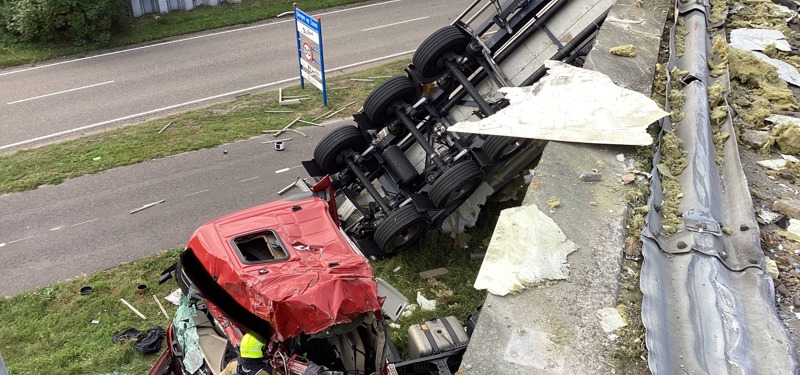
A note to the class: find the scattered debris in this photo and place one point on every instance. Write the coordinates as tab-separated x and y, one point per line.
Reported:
772	268
425	304
627	178
277	140
754	138
786	71
758	39
321	116
124	302
477	256
610	319
628	50
787	136
334	113
527	247
553	202
174	297
767	217
287	100
621	158
94	321
609	114
433	273
311	123
397	269
285	129
96	158
787	206
161	307
632	249
774	164
85	290
165	127
147	206
591	177
409	310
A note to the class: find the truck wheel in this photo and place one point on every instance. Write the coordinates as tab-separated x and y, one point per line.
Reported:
499	149
428	57
328	152
378	105
401	228
456	184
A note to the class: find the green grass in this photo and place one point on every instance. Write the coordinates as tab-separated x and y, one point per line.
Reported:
218	124
49	331
152	27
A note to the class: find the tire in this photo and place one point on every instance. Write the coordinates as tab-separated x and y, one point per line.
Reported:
428	55
400	229
456	184
328	151
378	105
499	149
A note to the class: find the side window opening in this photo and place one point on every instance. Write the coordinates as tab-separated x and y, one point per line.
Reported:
259	247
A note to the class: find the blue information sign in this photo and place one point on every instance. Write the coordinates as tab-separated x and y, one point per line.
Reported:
309	52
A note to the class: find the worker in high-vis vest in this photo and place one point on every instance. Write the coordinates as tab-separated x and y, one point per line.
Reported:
251	358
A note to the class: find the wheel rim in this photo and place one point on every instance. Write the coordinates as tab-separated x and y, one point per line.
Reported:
408	234
510	149
465	190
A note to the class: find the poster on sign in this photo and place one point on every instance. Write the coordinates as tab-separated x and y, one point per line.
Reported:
309	51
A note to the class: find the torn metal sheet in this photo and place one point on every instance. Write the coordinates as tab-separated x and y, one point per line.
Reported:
786	71
527	247
606	114
758	39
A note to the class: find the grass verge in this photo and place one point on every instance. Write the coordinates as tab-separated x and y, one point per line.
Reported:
153	27
207	127
49	331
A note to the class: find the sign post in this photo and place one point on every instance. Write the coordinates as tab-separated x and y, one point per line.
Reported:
309	51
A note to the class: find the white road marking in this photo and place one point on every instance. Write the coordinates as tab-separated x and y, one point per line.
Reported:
84	222
249	179
146	206
21	239
195	193
150	112
394	24
61	92
287	169
55	229
194	37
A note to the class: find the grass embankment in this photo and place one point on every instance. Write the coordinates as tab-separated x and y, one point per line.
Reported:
49	331
242	118
154	27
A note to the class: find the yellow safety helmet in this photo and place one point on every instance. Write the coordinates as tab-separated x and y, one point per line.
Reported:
252	346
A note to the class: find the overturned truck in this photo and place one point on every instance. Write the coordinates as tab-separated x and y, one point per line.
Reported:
295	270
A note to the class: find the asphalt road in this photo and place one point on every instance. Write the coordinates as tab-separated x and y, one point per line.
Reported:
85	225
66	98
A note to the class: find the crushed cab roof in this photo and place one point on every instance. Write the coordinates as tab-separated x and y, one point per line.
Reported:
323	282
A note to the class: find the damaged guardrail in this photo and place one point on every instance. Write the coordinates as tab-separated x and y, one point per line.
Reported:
708	302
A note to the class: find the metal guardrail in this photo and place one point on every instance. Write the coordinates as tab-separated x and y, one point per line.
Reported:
709	306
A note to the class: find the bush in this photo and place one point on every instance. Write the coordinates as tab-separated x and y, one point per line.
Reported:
74	21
